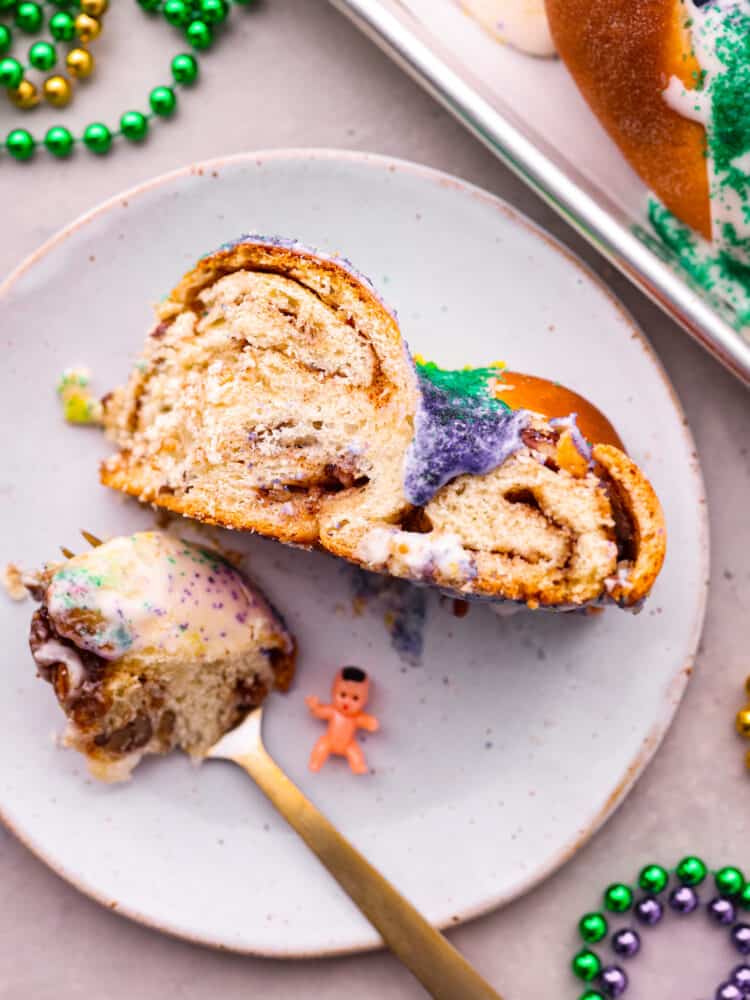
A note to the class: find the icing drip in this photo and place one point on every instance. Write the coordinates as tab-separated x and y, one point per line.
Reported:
720	34
151	591
53	652
423	555
460	427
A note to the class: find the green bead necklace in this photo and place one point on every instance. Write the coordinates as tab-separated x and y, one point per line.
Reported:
196	19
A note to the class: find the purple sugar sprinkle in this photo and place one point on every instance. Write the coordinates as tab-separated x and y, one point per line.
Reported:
454	435
241	617
405	607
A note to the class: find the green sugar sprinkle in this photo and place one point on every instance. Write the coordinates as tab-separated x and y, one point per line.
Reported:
81	576
735	270
79	584
215	560
464	383
717	272
729	132
721	269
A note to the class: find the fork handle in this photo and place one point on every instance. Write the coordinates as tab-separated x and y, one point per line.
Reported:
443	971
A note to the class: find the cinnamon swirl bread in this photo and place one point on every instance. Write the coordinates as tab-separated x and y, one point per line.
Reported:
276	394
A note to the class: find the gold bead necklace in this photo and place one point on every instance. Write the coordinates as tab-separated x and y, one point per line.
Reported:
79	22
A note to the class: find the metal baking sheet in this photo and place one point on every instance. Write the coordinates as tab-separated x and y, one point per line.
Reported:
529	113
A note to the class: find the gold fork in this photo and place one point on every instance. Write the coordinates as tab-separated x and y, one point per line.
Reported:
429	956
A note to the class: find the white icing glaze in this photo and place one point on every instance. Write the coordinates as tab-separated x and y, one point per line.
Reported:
520	23
707	26
152	591
619	579
420	554
53	651
375	547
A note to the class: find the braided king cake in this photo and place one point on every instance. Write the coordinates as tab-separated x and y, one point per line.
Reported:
275	394
670	82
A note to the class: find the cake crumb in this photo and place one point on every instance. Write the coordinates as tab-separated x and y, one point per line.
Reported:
13	582
79	404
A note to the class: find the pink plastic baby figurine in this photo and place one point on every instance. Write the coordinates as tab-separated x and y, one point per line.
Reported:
351	689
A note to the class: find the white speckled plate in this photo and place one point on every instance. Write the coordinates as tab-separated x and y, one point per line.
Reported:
477	791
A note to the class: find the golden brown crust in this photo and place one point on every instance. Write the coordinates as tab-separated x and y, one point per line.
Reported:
647	520
301	529
284	665
622	55
552	400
